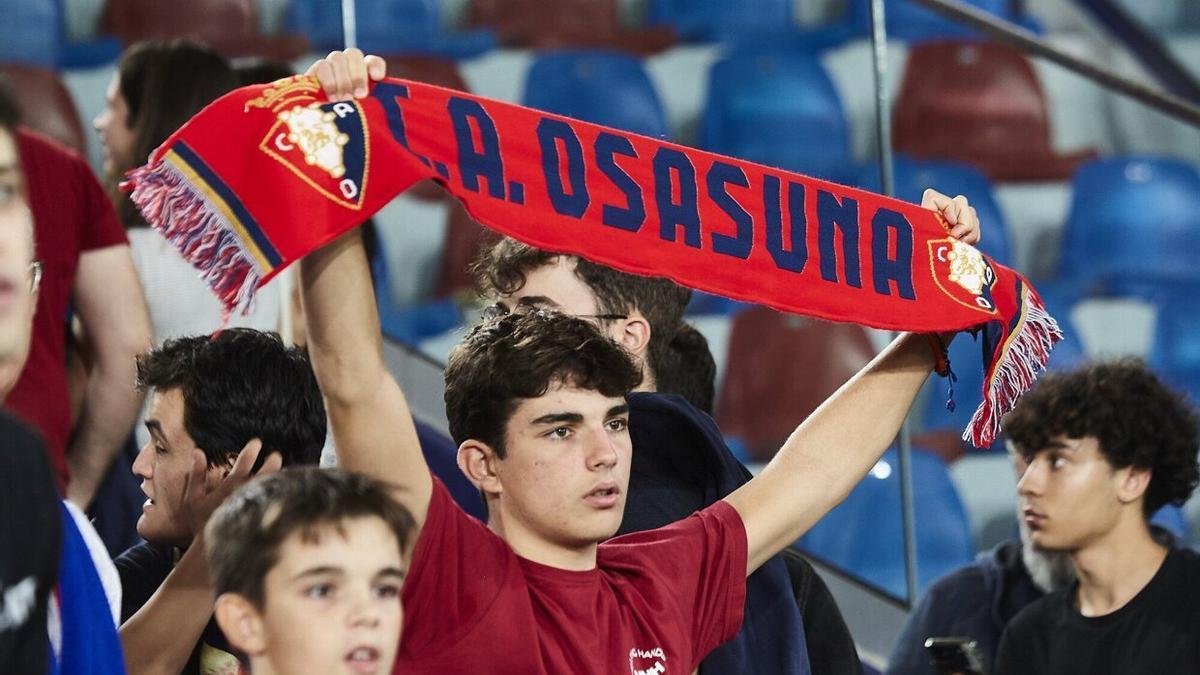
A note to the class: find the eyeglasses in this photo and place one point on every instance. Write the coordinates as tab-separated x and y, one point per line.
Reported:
35	275
499	309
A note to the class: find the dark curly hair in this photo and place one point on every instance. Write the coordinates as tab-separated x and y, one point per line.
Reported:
244	535
520	356
241	384
501	270
1138	421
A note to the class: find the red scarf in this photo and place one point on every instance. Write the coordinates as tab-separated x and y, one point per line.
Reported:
269	173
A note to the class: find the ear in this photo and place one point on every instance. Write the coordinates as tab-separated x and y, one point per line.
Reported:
478	461
634	334
1132	484
241	623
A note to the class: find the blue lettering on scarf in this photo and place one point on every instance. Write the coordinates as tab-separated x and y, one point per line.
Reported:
719	175
843	215
631	217
551	133
795	259
885	225
472	162
672	214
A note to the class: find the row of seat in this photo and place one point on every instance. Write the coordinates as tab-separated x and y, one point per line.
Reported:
36	29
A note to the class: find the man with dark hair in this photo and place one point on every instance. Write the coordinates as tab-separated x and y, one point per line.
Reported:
681	463
1107	446
87	267
307	565
551	451
221	409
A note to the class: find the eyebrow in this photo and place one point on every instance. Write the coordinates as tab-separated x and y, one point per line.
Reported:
558	418
155	429
616	410
536	300
318	571
392	572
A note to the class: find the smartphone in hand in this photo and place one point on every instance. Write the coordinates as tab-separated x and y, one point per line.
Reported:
955	655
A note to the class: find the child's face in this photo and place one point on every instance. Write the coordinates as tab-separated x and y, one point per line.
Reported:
332	605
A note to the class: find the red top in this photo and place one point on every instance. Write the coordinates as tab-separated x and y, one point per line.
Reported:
657	602
72	214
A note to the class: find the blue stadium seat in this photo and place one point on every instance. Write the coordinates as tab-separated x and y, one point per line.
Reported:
602	87
966	360
387	27
409	325
441	454
716	20
1172	519
951	178
778	107
1134	226
1175	352
707	303
34	32
864	534
908	21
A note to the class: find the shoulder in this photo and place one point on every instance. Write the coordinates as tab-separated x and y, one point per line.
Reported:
145	558
1040	615
714	526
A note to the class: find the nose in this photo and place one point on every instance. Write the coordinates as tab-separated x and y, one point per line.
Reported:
364	610
143	464
1032	480
100	121
602	453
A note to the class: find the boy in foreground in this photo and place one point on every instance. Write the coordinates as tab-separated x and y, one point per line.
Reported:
307	565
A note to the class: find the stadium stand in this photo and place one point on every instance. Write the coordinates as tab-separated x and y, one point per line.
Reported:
46	105
604	87
944	539
979	103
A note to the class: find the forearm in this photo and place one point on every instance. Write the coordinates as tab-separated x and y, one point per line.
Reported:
372	427
830	452
110	405
160	637
341	320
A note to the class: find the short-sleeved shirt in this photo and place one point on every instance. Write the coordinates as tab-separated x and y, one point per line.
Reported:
72	215
143	568
656	602
1157	632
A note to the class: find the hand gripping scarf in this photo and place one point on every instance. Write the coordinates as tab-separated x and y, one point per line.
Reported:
268	173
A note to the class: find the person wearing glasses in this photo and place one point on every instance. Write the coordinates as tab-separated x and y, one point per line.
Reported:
85	264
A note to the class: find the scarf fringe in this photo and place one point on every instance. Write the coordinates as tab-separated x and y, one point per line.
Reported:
1014	372
171	204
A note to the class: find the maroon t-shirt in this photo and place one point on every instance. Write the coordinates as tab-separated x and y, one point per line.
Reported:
72	214
657	602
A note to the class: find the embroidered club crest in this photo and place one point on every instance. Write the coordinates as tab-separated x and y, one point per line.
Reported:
962	273
325	145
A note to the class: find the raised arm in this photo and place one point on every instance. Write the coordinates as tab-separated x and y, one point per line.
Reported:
373	430
831	451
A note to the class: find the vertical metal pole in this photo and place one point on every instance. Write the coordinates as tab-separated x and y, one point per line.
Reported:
349	25
883	126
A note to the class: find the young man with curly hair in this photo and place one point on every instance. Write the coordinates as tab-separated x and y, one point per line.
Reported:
1107	446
